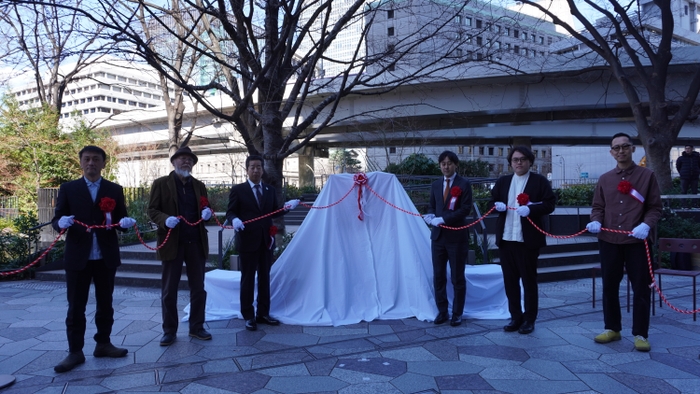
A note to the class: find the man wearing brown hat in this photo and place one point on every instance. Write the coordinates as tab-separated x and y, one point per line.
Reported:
174	197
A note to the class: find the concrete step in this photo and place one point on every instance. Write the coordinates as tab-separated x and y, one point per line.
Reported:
566	272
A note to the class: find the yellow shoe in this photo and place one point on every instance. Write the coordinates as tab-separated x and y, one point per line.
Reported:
641	344
608	336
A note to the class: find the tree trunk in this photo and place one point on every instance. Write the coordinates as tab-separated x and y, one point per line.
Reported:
659	161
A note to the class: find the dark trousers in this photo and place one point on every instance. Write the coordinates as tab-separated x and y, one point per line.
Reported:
456	254
78	291
251	262
192	255
519	262
690	186
614	258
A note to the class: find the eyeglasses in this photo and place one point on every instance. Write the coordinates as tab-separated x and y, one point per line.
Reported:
519	160
617	148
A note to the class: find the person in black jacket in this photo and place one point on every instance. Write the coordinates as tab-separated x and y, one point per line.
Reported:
518	241
688	166
90	256
450	204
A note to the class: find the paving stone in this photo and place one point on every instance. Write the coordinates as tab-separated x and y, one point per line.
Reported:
197	388
549	369
538	386
181	373
410	354
218	366
414	383
308	384
462	382
443	350
289	370
604	383
273	359
292	339
358	377
493	351
645	384
16	362
370	388
442	368
686	386
377	366
379	329
654	369
243	382
12	348
562	353
509	372
121	382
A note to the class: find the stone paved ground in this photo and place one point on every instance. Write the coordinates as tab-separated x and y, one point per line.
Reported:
398	356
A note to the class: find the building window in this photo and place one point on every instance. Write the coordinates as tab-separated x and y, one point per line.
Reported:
392	149
468	21
533	37
541	40
516	33
549	40
479	40
516	49
121	101
460	149
458	18
391	67
478	23
500	151
458	52
390	32
491	151
481	151
390	14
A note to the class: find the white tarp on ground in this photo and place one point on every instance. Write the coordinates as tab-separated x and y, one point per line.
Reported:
340	270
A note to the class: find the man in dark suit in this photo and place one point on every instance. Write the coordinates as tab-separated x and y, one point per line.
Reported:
250	200
90	256
450	203
518	241
175	196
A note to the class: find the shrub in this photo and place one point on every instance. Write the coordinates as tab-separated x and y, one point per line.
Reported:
576	195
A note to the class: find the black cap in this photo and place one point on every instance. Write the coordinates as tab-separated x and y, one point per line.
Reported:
185	150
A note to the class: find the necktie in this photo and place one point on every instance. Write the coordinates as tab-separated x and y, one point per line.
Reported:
258	195
447	189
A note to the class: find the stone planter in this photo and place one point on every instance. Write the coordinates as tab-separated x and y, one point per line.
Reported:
234	263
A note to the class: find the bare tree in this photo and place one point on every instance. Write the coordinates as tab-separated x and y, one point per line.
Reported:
637	48
286	65
50	43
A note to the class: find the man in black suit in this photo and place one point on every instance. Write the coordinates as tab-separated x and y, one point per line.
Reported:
90	256
518	241
250	200
450	203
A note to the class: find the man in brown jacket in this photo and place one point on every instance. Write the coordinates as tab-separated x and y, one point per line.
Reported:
174	197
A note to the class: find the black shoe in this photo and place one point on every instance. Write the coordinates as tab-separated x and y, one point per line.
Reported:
167	339
202	334
456	320
270	321
251	325
514	325
70	362
527	327
440	318
109	350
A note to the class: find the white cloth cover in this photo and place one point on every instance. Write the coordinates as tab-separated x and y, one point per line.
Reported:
340	270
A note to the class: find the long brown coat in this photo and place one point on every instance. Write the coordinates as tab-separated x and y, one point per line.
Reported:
163	204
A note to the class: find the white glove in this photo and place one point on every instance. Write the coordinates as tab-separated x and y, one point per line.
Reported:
172	221
291	204
127	222
523	211
206	213
641	231
593	227
500	207
238	225
428	217
437	221
66	221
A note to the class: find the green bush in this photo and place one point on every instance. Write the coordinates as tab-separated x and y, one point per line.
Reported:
415	164
576	195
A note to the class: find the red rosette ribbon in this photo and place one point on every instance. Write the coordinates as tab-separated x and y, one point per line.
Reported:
523	199
360	179
107	206
273	232
625	187
204	202
455	192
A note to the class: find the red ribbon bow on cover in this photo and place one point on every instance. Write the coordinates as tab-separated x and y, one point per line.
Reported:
203	202
625	187
455	192
523	199
273	232
107	206
360	179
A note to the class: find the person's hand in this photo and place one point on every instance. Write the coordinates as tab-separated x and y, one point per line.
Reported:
172	221
291	204
641	231
428	217
127	222
500	207
206	214
238	225
437	221
523	211
66	221
593	227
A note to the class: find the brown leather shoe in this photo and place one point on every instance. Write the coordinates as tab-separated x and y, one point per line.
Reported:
70	362
109	350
